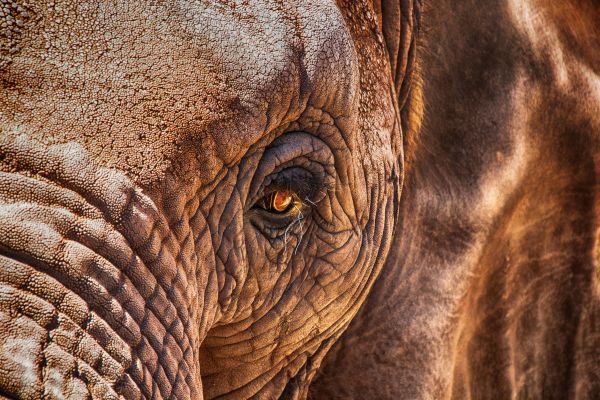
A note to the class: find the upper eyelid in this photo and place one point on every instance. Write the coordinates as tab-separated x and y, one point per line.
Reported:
300	190
294	149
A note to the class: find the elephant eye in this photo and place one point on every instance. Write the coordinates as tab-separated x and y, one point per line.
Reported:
278	202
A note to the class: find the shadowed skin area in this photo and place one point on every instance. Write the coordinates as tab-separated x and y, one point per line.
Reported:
491	289
136	140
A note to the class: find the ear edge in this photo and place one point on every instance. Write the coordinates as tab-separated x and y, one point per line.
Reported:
400	24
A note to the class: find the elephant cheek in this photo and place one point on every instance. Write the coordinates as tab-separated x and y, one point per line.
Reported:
92	302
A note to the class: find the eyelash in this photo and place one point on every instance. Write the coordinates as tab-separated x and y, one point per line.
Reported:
272	202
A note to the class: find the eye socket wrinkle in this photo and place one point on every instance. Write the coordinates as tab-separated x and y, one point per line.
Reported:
294	174
282	201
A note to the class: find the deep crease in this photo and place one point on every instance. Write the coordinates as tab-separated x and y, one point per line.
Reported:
130	198
52	327
43	268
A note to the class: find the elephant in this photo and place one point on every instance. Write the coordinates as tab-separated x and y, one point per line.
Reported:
491	287
196	196
289	199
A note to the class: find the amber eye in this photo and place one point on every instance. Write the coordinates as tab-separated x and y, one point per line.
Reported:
279	201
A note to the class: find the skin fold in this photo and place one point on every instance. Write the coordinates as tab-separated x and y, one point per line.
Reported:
491	287
137	139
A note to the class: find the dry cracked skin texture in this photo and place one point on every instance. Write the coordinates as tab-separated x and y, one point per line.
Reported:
137	140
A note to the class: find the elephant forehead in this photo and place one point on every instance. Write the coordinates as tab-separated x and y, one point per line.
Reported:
276	57
259	47
135	80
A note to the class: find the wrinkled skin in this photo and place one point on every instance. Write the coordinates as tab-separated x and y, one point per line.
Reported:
491	290
137	137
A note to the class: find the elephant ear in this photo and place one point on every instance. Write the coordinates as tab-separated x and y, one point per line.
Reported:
399	21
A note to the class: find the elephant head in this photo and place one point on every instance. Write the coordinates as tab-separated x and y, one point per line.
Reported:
195	196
